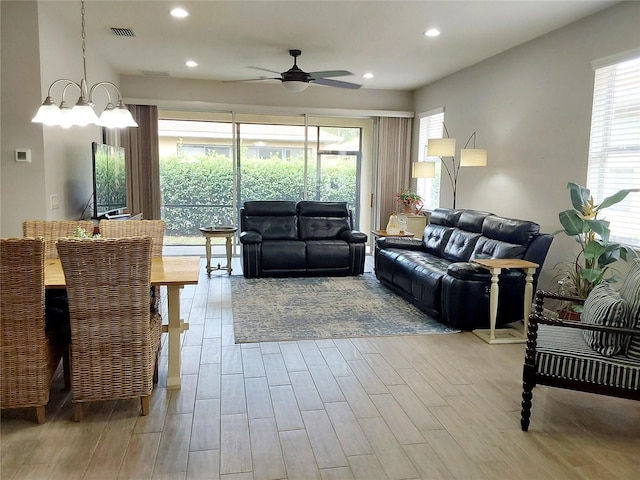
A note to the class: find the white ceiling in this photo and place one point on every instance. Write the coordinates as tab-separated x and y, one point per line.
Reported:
386	38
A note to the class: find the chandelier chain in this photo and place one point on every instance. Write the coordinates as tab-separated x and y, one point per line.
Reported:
84	45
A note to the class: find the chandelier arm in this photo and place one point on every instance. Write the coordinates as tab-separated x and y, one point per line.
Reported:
104	84
69	82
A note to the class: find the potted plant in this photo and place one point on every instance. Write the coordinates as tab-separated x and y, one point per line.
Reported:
408	201
592	264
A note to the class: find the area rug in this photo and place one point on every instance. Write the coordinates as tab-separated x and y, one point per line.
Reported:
279	309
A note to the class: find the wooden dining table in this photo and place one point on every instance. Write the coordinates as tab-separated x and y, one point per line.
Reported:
172	272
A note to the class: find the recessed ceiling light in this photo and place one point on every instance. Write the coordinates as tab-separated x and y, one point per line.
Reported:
368	75
179	12
191	63
432	32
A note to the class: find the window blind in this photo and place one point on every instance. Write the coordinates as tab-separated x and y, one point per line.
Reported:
431	126
614	147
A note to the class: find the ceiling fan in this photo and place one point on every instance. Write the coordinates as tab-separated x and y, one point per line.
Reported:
297	80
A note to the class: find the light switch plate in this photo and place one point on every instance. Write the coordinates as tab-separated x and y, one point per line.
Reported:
23	155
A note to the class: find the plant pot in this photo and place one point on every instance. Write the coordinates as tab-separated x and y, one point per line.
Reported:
408	209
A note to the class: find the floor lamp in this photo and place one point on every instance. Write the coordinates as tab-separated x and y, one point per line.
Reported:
446	147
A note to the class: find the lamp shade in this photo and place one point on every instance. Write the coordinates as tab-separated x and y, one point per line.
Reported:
48	113
294	86
441	147
423	170
473	157
82	115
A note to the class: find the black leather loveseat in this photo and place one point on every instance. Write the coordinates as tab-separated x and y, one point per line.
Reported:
436	274
282	238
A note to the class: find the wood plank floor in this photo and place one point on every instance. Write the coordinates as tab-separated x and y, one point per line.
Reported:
432	407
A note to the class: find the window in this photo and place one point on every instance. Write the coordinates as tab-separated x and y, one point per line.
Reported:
431	126
614	148
209	167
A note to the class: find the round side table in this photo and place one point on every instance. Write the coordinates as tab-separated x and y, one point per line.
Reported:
218	232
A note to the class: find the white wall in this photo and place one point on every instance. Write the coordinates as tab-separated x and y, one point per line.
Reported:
35	52
531	108
22	183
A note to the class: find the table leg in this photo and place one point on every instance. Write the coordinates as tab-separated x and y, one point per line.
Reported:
493	301
528	298
229	255
207	247
174	330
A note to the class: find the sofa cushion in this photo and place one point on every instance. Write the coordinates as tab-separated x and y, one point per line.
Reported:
604	306
272	208
283	255
445	216
307	208
510	230
435	237
322	220
272	228
273	219
327	254
319	228
460	245
472	220
630	291
563	353
490	248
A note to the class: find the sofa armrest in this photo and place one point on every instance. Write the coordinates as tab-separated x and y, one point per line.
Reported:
353	236
399	242
249	237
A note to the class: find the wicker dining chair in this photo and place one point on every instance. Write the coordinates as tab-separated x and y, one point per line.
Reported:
115	337
55	301
29	358
52	230
133	228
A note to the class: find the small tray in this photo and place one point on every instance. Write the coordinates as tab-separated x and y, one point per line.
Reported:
217	229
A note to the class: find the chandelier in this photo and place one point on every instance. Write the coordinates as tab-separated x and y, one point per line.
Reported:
82	113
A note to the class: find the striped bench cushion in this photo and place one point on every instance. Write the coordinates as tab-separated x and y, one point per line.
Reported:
630	291
563	353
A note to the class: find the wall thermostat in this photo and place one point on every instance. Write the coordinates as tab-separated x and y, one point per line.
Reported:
23	155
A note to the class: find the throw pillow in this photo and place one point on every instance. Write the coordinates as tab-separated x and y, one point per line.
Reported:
630	291
604	306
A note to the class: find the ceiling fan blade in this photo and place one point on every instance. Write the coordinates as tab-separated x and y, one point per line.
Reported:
265	70
336	83
251	79
330	73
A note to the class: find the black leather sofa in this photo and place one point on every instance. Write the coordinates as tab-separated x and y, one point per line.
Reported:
436	274
283	239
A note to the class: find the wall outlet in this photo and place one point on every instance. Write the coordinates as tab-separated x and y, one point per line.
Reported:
55	202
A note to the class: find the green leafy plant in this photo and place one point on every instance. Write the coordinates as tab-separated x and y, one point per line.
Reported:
592	264
80	232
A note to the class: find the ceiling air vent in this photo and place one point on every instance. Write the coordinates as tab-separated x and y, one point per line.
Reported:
122	32
155	73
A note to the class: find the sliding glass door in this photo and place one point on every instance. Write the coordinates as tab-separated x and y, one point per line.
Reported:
208	169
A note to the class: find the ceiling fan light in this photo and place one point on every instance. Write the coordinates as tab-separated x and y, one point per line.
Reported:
294	86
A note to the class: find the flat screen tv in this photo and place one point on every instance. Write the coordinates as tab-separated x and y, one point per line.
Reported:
109	180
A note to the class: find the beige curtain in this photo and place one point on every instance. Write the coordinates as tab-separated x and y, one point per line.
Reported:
393	153
143	166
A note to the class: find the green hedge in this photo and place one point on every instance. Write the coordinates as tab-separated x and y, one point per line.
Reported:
198	191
